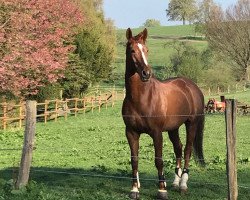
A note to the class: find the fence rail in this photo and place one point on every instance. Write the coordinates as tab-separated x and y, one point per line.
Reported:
96	98
211	91
53	109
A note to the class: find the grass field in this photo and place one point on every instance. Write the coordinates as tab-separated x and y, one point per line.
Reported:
88	157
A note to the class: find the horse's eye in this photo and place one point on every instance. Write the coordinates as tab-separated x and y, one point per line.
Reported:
132	51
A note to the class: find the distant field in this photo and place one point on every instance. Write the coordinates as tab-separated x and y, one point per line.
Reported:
165	30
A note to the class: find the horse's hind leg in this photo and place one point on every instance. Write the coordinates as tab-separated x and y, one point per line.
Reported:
133	140
191	128
175	139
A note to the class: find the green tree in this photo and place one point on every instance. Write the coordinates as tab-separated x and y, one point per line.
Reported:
92	59
218	75
182	10
152	23
186	61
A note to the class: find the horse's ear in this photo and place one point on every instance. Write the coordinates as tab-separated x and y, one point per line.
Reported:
144	34
129	33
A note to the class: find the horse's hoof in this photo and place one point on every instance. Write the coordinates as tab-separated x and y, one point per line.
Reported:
175	186
183	190
162	195
134	195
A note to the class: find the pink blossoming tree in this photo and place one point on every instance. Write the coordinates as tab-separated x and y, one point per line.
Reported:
35	38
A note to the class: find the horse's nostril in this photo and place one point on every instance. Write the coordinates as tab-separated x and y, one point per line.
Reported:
146	74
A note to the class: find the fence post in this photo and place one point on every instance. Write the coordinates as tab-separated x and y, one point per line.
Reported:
56	109
76	106
4	115
230	115
30	125
99	103
218	90
65	108
45	111
106	100
92	104
20	114
84	106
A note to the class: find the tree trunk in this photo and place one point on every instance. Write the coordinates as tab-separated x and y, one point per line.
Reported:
183	21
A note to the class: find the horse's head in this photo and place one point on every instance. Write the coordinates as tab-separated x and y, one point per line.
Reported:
137	53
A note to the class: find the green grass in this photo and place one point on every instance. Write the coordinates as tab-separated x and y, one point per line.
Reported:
176	31
88	157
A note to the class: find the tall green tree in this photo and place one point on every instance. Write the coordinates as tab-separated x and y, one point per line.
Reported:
181	10
186	61
92	59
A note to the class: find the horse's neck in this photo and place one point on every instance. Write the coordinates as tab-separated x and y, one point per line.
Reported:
135	88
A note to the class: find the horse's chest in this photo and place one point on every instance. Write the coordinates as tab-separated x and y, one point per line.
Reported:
140	120
143	120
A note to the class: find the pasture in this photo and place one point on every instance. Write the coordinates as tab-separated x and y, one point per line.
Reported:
87	157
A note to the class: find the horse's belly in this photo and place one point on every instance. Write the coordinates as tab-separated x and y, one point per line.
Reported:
174	122
150	124
149	121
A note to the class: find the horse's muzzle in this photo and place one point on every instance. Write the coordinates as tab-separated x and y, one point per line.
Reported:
145	75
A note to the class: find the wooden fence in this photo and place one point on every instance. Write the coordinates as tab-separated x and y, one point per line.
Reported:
53	109
210	91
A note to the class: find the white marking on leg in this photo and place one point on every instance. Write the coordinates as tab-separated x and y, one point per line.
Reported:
162	190
184	179
142	53
177	178
136	189
165	184
138	180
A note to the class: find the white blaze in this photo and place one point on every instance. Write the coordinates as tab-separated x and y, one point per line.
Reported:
142	53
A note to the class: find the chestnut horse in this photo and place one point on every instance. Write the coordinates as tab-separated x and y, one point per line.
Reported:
151	106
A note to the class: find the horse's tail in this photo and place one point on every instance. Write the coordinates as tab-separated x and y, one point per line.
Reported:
198	141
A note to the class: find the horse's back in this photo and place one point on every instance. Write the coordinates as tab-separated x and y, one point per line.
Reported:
190	90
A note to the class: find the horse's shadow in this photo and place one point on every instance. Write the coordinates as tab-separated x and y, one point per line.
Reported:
99	183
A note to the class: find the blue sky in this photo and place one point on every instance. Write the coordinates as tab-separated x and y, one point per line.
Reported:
133	13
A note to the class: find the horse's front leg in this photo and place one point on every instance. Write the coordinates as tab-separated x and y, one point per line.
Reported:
162	192
133	140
